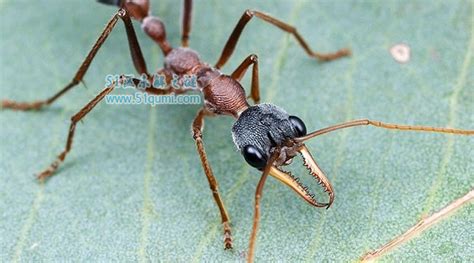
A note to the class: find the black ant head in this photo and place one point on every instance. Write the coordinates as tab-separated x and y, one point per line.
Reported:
263	128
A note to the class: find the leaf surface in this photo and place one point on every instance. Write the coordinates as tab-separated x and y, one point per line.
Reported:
133	188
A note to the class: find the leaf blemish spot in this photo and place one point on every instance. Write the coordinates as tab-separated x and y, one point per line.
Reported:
400	52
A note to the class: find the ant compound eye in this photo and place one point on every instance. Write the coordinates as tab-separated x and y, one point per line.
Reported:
253	157
299	126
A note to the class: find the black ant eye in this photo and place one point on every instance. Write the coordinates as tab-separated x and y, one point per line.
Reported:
299	126
253	157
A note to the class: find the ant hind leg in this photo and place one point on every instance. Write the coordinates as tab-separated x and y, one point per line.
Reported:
135	51
74	119
187	15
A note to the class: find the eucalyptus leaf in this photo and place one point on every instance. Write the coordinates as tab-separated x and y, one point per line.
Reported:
133	189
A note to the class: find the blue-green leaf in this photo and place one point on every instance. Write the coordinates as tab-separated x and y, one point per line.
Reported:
133	189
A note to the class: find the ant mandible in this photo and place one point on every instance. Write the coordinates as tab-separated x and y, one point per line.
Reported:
266	135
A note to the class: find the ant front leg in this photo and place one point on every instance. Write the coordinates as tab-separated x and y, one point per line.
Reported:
198	125
242	69
248	14
258	197
135	51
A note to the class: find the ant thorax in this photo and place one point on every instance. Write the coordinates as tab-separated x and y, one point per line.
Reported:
222	94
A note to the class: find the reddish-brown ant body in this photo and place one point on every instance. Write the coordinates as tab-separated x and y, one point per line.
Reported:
266	135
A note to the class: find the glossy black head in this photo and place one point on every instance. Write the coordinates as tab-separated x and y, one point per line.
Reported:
261	127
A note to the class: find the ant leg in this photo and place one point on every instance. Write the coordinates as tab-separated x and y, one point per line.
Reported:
385	126
248	14
187	16
258	197
82	113
152	26
198	125
242	69
134	46
135	51
74	119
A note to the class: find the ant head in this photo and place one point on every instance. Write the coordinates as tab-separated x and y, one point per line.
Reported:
263	129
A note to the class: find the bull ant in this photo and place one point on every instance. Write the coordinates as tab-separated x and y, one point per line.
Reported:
266	135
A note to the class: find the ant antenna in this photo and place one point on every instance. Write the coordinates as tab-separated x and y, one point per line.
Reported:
380	124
